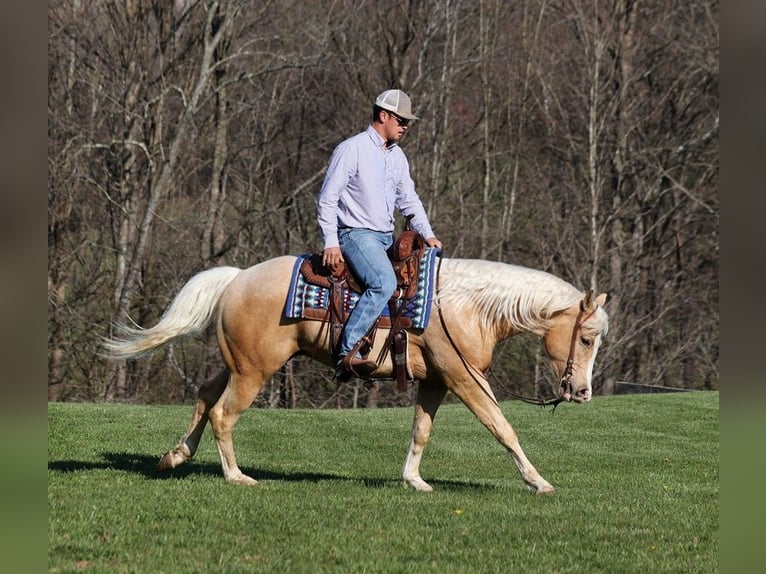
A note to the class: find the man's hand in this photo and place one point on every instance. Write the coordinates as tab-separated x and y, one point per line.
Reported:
331	256
433	242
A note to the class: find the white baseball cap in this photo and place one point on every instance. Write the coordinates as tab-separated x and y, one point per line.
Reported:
398	102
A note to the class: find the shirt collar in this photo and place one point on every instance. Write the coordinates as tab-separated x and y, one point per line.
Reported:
377	139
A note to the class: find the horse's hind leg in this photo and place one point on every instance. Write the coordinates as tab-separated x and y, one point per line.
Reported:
209	393
429	397
237	397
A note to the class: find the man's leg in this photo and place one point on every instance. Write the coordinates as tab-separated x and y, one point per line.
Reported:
365	253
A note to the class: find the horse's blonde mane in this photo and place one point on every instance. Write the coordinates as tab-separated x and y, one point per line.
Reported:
504	296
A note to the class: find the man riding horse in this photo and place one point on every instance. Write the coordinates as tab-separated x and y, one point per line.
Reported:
367	177
487	302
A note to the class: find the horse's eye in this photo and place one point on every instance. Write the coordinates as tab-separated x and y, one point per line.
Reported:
585	342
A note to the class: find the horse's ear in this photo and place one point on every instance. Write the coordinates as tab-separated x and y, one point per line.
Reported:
587	301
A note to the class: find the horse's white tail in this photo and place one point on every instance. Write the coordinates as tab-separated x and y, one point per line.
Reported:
190	312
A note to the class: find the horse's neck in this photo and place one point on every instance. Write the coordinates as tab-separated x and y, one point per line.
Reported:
507	299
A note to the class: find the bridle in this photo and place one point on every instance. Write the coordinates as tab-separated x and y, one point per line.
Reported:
565	383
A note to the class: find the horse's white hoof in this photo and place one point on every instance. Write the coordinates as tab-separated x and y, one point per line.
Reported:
418	484
242	479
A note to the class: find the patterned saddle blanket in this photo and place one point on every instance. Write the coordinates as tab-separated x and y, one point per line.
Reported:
308	300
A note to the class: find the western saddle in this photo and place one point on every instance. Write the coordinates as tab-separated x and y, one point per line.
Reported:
405	255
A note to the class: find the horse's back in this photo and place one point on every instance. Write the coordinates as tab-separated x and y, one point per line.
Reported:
267	281
281	266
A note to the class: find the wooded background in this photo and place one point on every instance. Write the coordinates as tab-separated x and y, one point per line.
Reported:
575	136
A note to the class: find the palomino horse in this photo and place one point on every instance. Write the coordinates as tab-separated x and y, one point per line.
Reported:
480	303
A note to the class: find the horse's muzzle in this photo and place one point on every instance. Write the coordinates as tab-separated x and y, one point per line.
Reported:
579	396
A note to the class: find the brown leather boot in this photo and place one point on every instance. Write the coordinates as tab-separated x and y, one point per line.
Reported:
356	366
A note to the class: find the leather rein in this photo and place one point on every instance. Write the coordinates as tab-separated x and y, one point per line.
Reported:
565	383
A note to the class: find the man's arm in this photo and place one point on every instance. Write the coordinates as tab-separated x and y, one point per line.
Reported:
335	181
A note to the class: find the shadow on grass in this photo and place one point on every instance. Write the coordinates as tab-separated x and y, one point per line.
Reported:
146	466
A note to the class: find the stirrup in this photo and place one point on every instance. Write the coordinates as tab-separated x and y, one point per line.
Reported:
350	365
358	366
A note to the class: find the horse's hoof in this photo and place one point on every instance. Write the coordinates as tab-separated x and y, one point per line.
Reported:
242	479
547	489
171	459
418	484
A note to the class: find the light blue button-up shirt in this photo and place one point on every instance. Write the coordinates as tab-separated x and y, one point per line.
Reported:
364	183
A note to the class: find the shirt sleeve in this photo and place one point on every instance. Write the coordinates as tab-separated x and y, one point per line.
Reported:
339	171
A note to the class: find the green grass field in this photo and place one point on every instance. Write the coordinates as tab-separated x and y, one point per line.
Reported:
636	477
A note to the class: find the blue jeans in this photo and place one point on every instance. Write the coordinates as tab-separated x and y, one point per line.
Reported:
365	253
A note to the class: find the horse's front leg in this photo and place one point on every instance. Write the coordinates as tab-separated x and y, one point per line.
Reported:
429	397
478	397
209	393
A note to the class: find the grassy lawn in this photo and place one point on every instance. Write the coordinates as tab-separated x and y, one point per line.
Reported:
636	477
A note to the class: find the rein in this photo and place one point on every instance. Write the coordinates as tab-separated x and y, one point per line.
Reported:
565	383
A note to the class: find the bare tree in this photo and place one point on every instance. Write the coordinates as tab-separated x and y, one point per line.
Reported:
576	137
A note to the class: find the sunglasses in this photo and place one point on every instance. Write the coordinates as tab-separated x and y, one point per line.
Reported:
401	121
